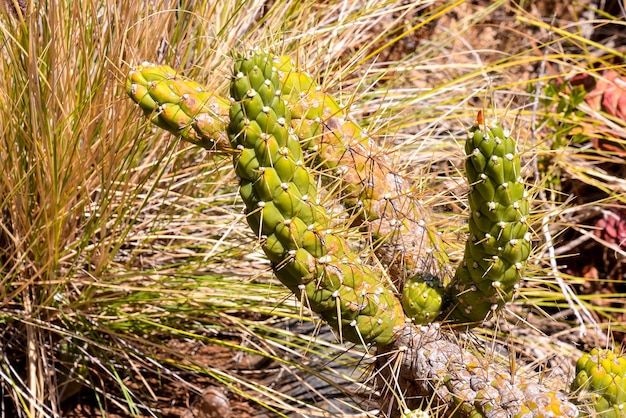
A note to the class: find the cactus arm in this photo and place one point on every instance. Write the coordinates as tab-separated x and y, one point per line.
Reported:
381	198
282	208
601	383
434	368
179	105
499	242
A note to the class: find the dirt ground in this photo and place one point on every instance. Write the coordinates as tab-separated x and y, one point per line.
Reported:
175	400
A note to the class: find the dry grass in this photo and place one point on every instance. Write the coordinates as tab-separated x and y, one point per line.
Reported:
118	242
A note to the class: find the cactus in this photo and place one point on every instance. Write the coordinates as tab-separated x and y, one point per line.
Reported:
319	267
381	198
283	209
499	243
179	105
271	118
601	381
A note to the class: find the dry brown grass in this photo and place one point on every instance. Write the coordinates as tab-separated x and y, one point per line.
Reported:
118	242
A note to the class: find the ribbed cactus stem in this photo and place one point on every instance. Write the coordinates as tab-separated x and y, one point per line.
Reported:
283	210
381	198
179	105
499	241
601	383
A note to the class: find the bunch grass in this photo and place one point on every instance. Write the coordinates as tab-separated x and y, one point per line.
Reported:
117	242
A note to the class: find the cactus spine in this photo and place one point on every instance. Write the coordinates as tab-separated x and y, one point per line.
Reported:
499	242
282	207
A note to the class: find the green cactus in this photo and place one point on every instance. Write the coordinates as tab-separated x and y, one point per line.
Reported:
379	197
422	298
499	242
276	111
179	105
283	209
601	381
368	186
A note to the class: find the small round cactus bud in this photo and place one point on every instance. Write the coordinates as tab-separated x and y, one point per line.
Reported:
422	297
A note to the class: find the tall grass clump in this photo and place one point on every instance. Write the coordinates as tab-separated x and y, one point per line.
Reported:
74	184
130	283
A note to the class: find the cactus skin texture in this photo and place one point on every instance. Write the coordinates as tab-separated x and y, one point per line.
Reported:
601	381
499	242
180	106
422	297
282	208
454	381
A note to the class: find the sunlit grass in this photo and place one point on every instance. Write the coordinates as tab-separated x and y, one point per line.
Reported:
116	239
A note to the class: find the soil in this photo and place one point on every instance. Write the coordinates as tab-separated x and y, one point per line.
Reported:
174	400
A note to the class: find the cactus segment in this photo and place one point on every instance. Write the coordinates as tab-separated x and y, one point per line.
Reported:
381	199
499	244
422	297
281	207
179	105
601	382
463	383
